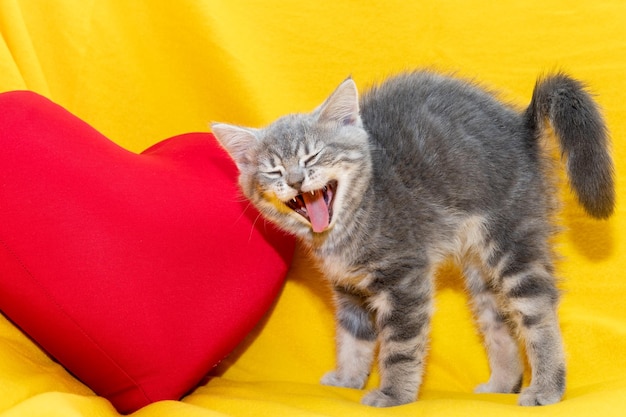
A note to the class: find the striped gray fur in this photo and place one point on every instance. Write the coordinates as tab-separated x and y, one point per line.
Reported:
423	168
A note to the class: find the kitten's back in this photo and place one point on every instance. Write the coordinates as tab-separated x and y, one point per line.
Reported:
448	138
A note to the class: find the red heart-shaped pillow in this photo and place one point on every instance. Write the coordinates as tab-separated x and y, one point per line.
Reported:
138	273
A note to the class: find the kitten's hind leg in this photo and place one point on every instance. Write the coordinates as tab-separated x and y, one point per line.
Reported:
502	348
533	300
356	341
528	286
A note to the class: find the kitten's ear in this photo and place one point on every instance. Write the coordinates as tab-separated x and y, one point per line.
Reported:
342	106
238	141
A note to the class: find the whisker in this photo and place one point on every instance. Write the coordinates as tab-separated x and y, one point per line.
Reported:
253	227
244	211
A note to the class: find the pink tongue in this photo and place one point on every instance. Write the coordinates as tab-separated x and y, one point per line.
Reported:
317	210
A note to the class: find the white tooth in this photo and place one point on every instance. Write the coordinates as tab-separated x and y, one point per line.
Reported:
312	192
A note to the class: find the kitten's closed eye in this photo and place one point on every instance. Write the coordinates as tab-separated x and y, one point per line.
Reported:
274	173
311	159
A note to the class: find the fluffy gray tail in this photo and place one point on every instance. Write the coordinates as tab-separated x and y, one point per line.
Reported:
578	124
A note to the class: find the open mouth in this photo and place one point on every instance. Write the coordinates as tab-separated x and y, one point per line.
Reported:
316	206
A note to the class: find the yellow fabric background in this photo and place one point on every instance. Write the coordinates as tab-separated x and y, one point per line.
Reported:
141	71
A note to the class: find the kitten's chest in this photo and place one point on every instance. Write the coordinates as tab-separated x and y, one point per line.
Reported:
341	272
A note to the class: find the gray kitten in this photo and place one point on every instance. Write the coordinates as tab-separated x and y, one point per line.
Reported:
424	168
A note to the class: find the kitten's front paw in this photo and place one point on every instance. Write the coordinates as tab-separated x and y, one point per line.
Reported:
335	379
485	388
500	387
533	396
378	398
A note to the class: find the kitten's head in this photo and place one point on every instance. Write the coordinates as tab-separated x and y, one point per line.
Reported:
304	171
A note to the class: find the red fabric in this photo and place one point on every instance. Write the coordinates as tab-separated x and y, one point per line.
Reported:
138	273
